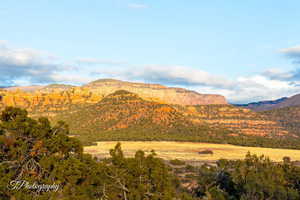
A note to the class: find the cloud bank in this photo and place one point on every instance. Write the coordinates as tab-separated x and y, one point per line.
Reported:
293	53
20	66
27	66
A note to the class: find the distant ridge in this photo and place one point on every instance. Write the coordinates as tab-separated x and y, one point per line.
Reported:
55	88
155	92
262	105
31	88
270	105
40	88
58	96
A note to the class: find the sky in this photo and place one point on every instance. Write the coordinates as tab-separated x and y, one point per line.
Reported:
245	50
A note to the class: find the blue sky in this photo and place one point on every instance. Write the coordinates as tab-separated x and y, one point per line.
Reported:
245	50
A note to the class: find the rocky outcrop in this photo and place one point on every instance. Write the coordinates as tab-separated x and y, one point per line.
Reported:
48	100
127	113
53	100
32	88
155	92
237	119
58	97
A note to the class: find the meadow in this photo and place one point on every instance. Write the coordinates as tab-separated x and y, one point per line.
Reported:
189	151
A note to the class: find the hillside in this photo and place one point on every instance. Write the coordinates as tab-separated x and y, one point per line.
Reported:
270	105
262	105
237	119
125	116
32	88
93	109
288	117
155	92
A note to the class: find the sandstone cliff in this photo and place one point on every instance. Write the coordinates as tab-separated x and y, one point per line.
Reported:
57	97
155	92
237	119
49	100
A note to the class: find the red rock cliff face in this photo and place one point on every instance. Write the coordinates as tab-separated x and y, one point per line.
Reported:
155	92
61	97
237	119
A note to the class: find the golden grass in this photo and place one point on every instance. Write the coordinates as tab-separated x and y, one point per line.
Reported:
189	150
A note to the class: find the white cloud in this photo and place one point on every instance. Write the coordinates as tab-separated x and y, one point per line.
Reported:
72	78
259	87
278	74
137	6
94	61
3	43
28	66
241	90
171	75
292	52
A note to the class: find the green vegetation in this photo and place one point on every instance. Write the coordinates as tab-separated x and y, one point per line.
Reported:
36	152
207	151
33	151
177	162
125	116
288	117
198	135
254	178
249	179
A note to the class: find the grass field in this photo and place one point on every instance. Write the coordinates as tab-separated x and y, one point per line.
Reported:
188	151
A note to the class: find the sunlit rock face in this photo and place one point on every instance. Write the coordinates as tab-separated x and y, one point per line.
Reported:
212	110
155	92
60	97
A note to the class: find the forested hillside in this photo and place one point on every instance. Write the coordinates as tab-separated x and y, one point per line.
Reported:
288	117
97	111
125	116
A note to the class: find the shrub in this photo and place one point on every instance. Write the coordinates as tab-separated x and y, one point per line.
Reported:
206	151
177	162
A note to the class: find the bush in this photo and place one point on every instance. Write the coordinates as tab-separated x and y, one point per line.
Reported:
206	151
177	162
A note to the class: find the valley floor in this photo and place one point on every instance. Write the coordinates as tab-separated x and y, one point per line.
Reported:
189	151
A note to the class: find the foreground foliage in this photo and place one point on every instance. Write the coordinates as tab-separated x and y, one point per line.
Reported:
255	178
33	151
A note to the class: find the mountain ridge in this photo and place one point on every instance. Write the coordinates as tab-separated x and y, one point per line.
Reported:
155	92
60	97
272	104
123	115
262	105
94	109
